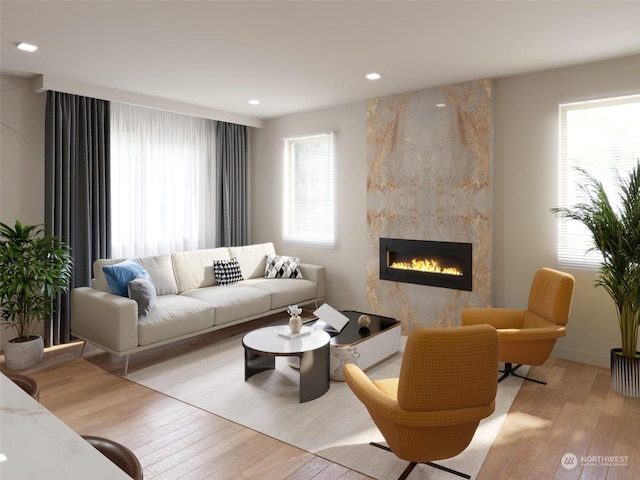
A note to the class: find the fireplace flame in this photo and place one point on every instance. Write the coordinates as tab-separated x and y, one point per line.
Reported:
426	265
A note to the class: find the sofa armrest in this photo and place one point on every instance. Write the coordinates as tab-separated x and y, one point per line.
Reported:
318	275
108	320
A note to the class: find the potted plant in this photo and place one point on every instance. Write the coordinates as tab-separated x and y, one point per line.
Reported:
616	235
34	269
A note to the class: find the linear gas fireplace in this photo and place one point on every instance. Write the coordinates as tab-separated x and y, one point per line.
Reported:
439	264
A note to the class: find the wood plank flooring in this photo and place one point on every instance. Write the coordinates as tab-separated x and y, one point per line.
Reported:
575	413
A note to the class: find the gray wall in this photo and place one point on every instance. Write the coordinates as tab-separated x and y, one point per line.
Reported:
21	159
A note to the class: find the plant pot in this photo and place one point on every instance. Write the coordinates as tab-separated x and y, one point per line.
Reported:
20	355
625	374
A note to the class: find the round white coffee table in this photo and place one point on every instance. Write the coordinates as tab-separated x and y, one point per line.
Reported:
261	346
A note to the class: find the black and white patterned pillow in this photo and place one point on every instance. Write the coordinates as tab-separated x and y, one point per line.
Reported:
279	266
227	272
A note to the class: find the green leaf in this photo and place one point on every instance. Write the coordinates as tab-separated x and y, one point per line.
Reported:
616	234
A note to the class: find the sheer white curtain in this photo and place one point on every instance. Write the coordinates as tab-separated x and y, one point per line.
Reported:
162	182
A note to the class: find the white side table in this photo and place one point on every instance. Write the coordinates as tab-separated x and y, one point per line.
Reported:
366	347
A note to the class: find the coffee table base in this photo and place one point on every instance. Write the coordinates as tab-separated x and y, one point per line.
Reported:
314	369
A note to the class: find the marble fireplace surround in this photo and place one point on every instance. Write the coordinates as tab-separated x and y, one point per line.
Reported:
429	178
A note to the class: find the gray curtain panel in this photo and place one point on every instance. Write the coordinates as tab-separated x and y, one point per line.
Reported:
232	165
77	136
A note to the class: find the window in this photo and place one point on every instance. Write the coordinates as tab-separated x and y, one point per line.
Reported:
603	137
309	191
162	174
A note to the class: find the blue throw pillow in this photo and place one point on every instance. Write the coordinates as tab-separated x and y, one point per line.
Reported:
120	274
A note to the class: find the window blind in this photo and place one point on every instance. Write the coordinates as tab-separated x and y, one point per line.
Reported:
309	191
602	137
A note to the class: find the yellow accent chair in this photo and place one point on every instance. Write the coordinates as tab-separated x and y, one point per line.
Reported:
528	336
447	384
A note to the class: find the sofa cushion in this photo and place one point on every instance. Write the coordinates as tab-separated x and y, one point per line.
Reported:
280	266
173	316
227	272
195	269
252	258
233	302
144	293
159	268
285	291
120	274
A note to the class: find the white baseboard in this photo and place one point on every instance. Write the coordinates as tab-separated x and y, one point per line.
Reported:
583	357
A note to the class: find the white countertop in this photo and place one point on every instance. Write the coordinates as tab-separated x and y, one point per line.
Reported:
35	444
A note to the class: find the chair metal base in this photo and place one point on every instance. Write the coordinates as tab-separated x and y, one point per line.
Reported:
510	370
412	465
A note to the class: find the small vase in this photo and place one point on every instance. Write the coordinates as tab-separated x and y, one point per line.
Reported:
295	324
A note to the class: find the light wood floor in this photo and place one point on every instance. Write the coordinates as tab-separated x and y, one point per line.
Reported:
575	413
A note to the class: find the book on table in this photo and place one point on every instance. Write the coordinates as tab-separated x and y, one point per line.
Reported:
329	319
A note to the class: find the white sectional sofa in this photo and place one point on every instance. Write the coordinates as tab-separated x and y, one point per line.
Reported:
188	300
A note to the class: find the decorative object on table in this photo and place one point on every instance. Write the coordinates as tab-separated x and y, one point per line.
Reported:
335	321
364	320
295	322
287	333
616	235
35	268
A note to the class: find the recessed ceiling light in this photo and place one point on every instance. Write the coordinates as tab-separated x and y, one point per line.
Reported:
27	47
254	102
373	76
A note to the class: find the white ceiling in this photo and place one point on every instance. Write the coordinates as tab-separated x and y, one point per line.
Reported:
304	55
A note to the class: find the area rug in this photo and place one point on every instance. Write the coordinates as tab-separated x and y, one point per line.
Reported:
335	426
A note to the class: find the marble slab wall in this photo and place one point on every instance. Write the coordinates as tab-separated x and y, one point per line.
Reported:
429	178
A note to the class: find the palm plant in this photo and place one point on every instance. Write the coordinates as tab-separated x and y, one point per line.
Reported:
34	269
616	235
